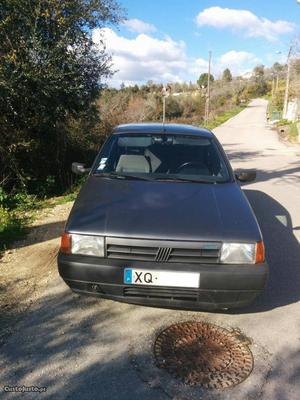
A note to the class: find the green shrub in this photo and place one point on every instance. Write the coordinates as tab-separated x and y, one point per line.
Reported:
21	201
24	201
293	131
282	122
173	108
11	227
4	198
236	100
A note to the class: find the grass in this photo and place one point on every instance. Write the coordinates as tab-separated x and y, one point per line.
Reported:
12	227
290	130
220	119
19	211
293	131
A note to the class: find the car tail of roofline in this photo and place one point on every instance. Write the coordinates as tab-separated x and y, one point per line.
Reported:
160	128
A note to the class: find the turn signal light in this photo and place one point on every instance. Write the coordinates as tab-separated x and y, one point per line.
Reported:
65	245
260	253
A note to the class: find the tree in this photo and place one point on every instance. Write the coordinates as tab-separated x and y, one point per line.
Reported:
51	73
259	86
203	80
227	76
277	68
259	72
296	66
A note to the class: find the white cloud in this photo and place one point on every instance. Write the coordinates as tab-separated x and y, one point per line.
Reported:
138	26
197	67
238	61
164	60
146	58
244	21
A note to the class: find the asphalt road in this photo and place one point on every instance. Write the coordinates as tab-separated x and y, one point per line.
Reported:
85	348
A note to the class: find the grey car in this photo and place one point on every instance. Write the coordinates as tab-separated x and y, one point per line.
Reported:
161	220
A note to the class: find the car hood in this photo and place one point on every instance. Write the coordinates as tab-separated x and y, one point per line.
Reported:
164	210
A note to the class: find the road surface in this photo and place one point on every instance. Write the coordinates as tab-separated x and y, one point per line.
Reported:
84	348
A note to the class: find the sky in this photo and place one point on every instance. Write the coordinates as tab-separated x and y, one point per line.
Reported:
169	40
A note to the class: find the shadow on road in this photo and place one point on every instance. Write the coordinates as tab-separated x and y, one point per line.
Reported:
282	250
242	156
283	377
75	347
40	233
79	348
284	175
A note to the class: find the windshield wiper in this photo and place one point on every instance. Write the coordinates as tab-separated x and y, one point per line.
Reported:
114	175
179	179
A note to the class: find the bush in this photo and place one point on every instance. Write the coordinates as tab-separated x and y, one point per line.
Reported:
293	131
173	108
21	201
4	198
11	227
189	106
236	100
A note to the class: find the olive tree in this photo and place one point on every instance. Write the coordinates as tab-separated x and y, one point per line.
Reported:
51	73
203	80
227	76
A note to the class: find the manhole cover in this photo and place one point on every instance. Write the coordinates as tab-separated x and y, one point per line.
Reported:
203	354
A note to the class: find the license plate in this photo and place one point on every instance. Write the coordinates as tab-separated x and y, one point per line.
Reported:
161	278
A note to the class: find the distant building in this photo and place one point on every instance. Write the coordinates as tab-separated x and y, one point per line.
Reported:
247	75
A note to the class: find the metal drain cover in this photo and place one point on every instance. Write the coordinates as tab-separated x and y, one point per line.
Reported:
203	354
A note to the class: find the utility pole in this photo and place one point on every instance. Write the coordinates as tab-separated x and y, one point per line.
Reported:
277	82
207	103
273	89
166	90
287	84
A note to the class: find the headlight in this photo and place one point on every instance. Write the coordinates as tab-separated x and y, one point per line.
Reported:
82	244
238	253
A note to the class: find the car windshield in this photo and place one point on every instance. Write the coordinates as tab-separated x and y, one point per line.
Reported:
162	157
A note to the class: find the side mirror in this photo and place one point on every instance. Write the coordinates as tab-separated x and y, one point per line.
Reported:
245	176
79	169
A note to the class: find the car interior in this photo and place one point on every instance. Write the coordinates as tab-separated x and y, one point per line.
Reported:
149	156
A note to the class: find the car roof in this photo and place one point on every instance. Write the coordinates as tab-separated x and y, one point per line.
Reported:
176	129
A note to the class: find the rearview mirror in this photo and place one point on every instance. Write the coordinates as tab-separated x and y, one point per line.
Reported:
245	176
79	169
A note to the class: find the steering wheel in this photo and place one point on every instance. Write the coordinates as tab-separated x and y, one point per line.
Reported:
189	164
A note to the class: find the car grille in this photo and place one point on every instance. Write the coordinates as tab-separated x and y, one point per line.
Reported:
163	251
162	293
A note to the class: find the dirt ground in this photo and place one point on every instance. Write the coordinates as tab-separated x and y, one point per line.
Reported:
27	267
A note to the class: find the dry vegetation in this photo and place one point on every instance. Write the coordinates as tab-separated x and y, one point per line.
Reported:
186	104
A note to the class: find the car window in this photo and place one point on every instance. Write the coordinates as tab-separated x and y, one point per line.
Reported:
163	156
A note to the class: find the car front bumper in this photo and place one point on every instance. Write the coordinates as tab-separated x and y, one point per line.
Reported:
222	286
